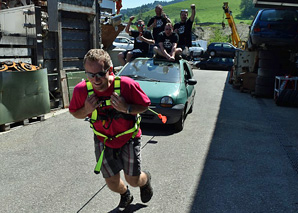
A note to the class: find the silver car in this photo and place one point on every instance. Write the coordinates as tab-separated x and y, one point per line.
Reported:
122	42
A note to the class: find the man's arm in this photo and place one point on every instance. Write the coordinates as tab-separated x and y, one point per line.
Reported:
172	54
193	12
127	28
91	103
147	40
121	105
166	17
151	24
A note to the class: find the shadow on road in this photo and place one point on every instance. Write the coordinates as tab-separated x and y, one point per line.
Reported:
247	169
132	208
157	129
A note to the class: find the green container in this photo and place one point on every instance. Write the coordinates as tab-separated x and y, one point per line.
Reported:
73	78
23	95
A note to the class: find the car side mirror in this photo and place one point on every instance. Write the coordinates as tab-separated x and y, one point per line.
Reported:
191	81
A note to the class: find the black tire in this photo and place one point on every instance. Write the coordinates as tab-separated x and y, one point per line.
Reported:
269	73
250	45
263	91
280	97
274	54
286	97
269	64
191	108
180	124
292	98
296	100
212	53
265	81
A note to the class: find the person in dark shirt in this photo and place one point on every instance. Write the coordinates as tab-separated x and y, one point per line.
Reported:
142	40
167	41
183	28
158	22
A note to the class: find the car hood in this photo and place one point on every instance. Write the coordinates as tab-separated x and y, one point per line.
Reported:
156	90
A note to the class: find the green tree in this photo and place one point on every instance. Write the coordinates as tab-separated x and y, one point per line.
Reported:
247	8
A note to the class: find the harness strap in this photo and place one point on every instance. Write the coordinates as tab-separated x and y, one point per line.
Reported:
134	129
94	118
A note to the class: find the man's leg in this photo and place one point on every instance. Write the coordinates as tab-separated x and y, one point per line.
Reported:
121	59
129	56
116	184
144	182
132	169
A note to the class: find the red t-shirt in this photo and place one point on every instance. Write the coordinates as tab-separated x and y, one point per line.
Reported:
130	91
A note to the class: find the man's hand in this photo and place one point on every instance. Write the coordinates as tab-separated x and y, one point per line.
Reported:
118	102
131	18
91	103
193	6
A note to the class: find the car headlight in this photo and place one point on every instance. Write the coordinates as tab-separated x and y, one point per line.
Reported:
166	101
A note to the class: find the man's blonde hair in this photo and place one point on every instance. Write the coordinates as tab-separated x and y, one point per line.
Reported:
98	55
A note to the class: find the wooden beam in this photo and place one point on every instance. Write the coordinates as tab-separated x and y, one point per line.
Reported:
62	73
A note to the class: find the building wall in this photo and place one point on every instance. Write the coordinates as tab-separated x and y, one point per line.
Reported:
108	4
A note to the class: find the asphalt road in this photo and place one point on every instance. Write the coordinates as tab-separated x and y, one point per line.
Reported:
236	154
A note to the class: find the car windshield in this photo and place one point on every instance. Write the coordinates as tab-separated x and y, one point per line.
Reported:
279	15
148	70
195	44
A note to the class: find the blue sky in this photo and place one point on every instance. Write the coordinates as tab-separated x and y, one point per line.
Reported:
136	3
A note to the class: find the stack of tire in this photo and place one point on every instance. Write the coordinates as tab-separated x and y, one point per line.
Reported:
9	66
287	97
271	63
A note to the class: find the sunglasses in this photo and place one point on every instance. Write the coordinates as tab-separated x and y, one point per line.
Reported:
98	75
140	25
184	10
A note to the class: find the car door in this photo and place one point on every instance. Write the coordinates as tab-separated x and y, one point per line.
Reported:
212	63
228	50
190	89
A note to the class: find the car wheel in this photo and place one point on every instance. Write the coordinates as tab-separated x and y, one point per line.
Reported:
212	53
191	108
180	124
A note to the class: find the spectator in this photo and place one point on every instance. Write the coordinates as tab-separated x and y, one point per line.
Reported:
183	28
142	40
158	22
167	41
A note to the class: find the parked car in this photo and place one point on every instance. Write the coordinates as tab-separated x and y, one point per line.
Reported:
218	49
216	63
122	42
274	27
196	49
169	85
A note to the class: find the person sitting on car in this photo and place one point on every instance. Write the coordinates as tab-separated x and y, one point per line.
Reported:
142	40
167	41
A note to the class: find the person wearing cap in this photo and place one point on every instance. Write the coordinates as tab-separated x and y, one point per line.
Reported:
158	22
183	28
167	41
142	41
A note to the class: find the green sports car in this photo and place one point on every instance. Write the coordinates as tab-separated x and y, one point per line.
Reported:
169	85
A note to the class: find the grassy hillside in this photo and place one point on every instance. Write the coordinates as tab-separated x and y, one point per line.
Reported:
206	11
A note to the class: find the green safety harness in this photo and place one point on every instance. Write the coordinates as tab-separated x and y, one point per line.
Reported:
95	117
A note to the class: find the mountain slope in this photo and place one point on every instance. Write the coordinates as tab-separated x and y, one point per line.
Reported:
206	11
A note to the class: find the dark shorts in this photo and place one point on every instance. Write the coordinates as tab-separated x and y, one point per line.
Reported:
127	158
136	53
